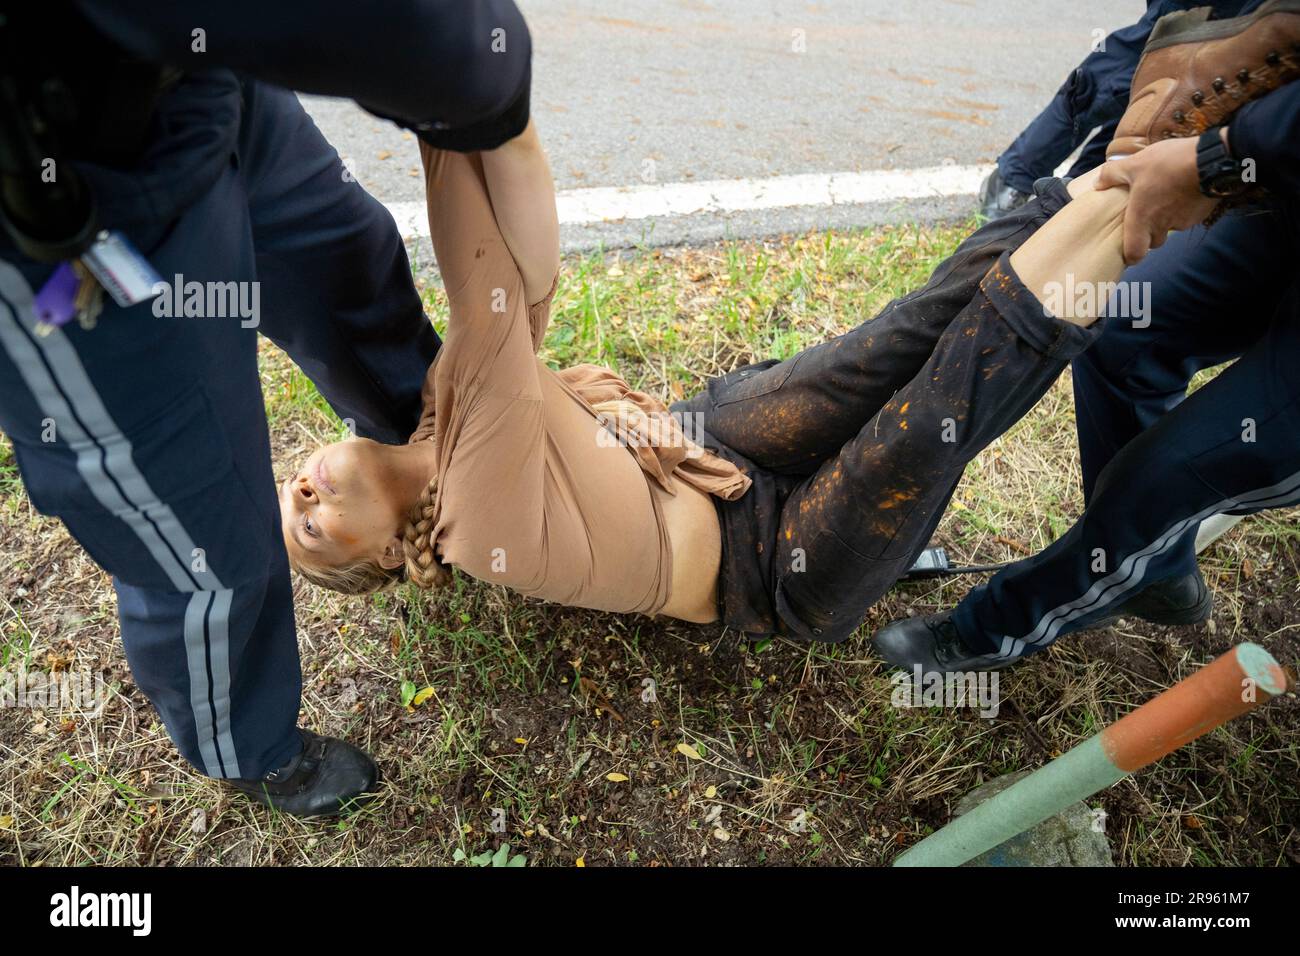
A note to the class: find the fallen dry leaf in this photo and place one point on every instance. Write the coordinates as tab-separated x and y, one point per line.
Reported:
600	701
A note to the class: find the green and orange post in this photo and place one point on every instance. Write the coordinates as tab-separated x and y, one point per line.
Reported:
1228	687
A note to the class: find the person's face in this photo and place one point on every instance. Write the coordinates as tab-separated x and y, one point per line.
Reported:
339	509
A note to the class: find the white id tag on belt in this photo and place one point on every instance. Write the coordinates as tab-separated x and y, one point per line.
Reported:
124	273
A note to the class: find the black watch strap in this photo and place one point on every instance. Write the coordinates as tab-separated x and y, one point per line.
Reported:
1219	172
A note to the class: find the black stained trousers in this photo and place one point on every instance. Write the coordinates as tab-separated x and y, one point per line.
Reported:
857	444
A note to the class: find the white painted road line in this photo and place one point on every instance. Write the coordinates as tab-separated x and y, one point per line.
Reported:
624	203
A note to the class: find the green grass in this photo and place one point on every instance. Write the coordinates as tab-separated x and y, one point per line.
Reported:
533	707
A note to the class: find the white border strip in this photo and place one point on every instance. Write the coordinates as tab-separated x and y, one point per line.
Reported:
624	203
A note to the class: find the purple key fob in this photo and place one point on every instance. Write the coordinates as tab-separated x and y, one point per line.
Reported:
54	304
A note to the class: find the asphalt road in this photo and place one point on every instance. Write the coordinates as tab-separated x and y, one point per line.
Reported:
675	91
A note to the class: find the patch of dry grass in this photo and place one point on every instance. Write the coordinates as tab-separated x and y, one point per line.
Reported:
793	754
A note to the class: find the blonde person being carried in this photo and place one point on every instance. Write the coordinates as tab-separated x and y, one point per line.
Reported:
815	480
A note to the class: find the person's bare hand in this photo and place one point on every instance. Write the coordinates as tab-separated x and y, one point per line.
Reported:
1164	194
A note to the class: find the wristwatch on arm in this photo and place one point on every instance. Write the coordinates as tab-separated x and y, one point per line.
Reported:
1219	172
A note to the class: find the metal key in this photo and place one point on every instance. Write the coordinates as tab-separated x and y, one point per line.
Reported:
89	300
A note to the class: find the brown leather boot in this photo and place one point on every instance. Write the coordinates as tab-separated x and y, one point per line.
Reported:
1195	72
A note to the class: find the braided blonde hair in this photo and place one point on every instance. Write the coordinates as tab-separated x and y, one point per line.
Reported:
422	567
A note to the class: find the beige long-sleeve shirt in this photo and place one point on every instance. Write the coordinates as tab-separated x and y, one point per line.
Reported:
537	490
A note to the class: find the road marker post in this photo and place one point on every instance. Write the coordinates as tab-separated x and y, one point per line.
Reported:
1232	684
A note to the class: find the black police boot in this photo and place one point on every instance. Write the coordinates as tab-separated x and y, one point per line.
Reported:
1185	600
997	198
326	778
934	644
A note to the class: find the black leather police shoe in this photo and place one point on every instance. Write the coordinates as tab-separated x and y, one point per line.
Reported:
933	643
997	198
1185	600
329	776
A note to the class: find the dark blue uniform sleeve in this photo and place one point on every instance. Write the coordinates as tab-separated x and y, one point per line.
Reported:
1268	131
455	72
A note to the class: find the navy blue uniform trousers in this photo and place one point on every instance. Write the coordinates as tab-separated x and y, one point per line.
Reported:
159	463
1157	462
